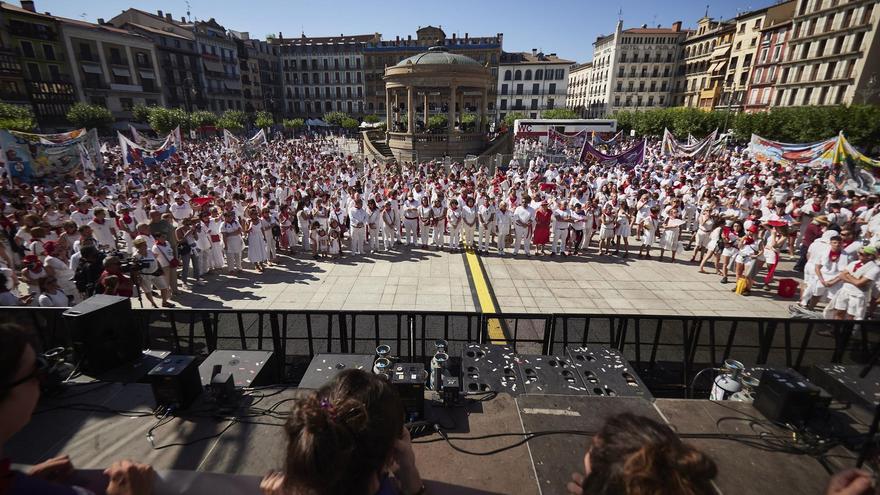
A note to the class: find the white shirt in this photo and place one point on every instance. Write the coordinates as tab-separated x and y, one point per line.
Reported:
503	219
80	218
523	215
358	217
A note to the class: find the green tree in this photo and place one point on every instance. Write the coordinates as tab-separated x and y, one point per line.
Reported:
437	122
164	120
263	120
335	118
232	120
201	118
16	117
349	123
859	123
513	116
294	124
371	119
559	113
141	112
89	116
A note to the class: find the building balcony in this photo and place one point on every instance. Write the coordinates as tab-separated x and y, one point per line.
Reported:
98	86
134	88
821	81
824	58
866	26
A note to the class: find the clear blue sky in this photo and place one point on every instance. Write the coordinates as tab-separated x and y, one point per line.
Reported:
566	27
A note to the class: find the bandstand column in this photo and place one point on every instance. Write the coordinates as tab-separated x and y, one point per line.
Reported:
425	118
484	110
388	119
410	110
451	111
396	105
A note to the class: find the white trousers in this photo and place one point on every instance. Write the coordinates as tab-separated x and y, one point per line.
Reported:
485	236
454	237
410	225
423	233
559	238
501	241
374	239
521	236
437	235
358	236
389	236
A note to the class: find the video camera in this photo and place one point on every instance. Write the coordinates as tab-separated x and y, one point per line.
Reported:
127	264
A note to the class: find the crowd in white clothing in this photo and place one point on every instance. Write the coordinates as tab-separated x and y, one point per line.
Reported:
214	208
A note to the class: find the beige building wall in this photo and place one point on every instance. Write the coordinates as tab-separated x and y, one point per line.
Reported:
832	56
578	87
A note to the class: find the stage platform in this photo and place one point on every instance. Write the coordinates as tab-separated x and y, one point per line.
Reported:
97	423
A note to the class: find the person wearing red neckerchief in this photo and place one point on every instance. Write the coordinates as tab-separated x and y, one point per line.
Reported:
650	225
859	278
825	280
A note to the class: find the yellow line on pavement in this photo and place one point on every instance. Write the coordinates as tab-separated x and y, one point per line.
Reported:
484	297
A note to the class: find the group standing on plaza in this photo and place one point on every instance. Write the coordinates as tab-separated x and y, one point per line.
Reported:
216	209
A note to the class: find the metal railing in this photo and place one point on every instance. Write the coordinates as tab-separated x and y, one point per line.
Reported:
676	344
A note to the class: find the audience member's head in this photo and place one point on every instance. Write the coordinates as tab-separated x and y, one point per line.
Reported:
340	437
635	455
19	379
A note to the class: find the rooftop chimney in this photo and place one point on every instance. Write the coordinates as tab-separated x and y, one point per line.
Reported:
644	26
676	26
183	19
465	36
101	21
28	5
169	17
534	51
159	13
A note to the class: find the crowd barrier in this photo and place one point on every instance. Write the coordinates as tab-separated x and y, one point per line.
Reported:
681	343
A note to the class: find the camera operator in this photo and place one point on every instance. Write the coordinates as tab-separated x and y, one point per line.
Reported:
87	269
150	274
190	254
113	267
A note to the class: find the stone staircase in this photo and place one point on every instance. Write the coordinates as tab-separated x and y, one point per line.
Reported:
374	142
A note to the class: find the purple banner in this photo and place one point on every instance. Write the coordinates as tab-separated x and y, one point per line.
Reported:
631	157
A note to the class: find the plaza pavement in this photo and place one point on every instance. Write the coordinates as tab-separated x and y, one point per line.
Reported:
427	280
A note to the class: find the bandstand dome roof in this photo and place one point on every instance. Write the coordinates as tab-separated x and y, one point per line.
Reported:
437	55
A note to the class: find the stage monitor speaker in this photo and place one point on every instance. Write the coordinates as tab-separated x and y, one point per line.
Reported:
101	333
408	379
490	368
175	381
550	375
324	367
785	396
606	372
248	368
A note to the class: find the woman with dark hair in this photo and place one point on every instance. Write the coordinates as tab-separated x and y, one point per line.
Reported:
21	372
635	455
347	438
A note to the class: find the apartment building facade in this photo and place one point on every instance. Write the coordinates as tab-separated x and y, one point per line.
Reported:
531	83
833	55
578	87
